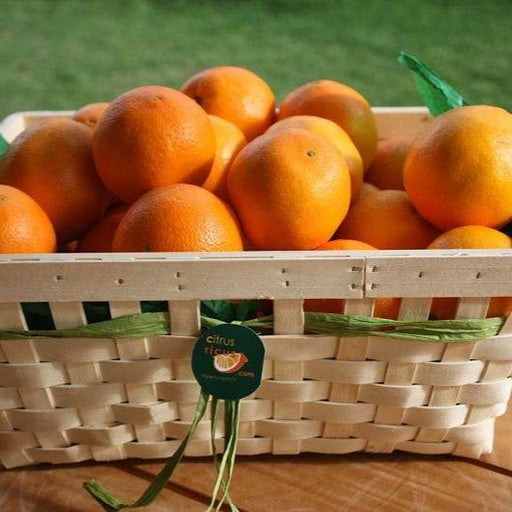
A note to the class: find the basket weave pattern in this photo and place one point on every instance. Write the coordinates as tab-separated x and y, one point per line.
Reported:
70	400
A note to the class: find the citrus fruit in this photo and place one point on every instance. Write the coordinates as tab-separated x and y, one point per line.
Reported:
471	237
291	189
24	227
52	162
341	104
179	217
345	245
99	237
68	246
90	114
459	169
332	132
150	137
229	363
366	188
230	140
384	307
387	220
236	95
386	170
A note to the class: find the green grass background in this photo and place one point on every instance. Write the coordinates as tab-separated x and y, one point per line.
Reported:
61	54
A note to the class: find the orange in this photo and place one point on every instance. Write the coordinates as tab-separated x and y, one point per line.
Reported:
366	188
387	220
471	237
459	169
150	137
90	114
386	170
230	140
179	217
345	245
24	227
236	95
52	162
291	189
384	307
332	132
341	104
99	237
68	246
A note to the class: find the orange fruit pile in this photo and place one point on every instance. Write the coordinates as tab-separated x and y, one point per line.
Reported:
215	166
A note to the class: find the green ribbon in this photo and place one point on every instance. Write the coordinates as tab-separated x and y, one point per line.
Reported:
224	469
142	325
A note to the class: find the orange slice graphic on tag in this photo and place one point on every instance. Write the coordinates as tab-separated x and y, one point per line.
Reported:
229	363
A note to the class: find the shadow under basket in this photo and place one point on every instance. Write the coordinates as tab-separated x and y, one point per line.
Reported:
66	400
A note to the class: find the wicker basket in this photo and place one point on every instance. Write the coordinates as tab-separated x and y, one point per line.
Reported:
70	400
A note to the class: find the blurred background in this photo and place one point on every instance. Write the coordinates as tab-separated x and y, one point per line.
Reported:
61	54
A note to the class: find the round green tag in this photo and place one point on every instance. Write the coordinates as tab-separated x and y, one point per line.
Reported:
227	361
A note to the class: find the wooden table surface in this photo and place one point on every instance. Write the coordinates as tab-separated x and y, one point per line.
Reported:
305	483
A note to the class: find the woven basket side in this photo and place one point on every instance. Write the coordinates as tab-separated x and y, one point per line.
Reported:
69	400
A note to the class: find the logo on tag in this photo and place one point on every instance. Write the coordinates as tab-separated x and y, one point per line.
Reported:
227	361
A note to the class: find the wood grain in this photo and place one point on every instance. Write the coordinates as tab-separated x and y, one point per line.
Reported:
398	482
501	456
60	490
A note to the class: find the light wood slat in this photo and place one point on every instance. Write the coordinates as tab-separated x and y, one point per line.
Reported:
391	121
288	316
122	308
472	307
67	314
12	125
180	279
11	316
185	317
506	329
414	309
435	275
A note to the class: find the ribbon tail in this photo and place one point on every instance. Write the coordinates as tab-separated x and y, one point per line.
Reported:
104	496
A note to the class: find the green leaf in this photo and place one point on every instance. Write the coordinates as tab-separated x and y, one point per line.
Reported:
219	309
3	146
247	309
437	94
